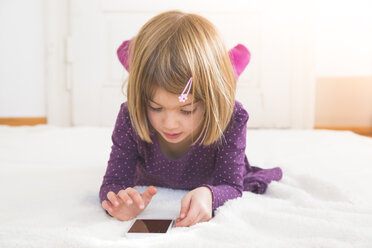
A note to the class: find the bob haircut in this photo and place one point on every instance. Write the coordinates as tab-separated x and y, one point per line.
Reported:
169	49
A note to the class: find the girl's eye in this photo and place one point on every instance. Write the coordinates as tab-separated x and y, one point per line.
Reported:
188	112
155	109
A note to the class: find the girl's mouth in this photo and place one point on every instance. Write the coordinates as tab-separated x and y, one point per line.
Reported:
172	136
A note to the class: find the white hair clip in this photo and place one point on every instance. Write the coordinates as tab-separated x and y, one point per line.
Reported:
183	96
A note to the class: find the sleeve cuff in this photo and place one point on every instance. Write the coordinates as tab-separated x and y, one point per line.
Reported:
221	194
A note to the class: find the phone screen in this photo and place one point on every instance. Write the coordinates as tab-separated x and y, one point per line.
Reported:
150	226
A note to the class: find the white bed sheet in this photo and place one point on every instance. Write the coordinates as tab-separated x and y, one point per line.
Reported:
50	178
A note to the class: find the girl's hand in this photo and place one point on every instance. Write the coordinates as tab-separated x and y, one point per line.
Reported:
128	203
196	206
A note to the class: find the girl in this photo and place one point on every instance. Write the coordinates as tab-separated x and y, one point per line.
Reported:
181	126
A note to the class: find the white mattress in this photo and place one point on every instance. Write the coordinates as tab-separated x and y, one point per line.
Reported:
50	178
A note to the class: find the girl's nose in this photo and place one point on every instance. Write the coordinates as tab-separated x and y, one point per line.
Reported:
170	121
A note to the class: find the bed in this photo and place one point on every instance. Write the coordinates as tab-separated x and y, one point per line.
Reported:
50	178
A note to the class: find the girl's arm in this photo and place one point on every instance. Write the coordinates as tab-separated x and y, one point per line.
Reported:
233	173
123	157
229	169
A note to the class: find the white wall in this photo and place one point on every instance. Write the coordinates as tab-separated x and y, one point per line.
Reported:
344	65
343	35
21	59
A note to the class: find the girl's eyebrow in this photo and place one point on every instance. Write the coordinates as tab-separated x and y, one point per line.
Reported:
180	106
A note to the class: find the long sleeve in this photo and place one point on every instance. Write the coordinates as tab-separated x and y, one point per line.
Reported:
233	173
229	166
257	179
123	157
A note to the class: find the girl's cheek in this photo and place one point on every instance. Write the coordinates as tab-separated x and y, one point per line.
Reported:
193	122
153	119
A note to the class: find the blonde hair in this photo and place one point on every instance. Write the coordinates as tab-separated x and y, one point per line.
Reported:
169	49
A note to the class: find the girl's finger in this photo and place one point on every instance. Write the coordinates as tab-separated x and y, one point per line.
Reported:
123	195
186	221
148	194
198	219
191	216
107	206
113	199
150	191
135	195
185	206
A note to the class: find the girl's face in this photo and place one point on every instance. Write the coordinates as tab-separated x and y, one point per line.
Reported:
175	121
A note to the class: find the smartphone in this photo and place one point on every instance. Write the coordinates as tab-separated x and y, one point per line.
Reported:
149	227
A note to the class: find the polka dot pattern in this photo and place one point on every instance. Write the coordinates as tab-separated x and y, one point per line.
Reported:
224	169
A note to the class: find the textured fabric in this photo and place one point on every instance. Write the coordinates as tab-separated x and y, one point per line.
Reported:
224	169
239	57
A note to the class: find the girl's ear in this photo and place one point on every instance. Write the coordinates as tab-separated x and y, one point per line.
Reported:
239	57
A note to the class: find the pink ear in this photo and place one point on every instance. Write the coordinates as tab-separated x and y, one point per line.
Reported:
123	52
239	56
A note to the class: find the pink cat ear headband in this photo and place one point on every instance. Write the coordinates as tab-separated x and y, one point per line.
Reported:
239	57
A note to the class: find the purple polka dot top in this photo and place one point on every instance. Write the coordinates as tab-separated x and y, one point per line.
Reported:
224	169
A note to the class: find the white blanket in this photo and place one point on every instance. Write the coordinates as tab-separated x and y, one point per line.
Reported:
50	178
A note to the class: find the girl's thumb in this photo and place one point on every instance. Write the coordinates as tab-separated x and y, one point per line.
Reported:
184	206
149	192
